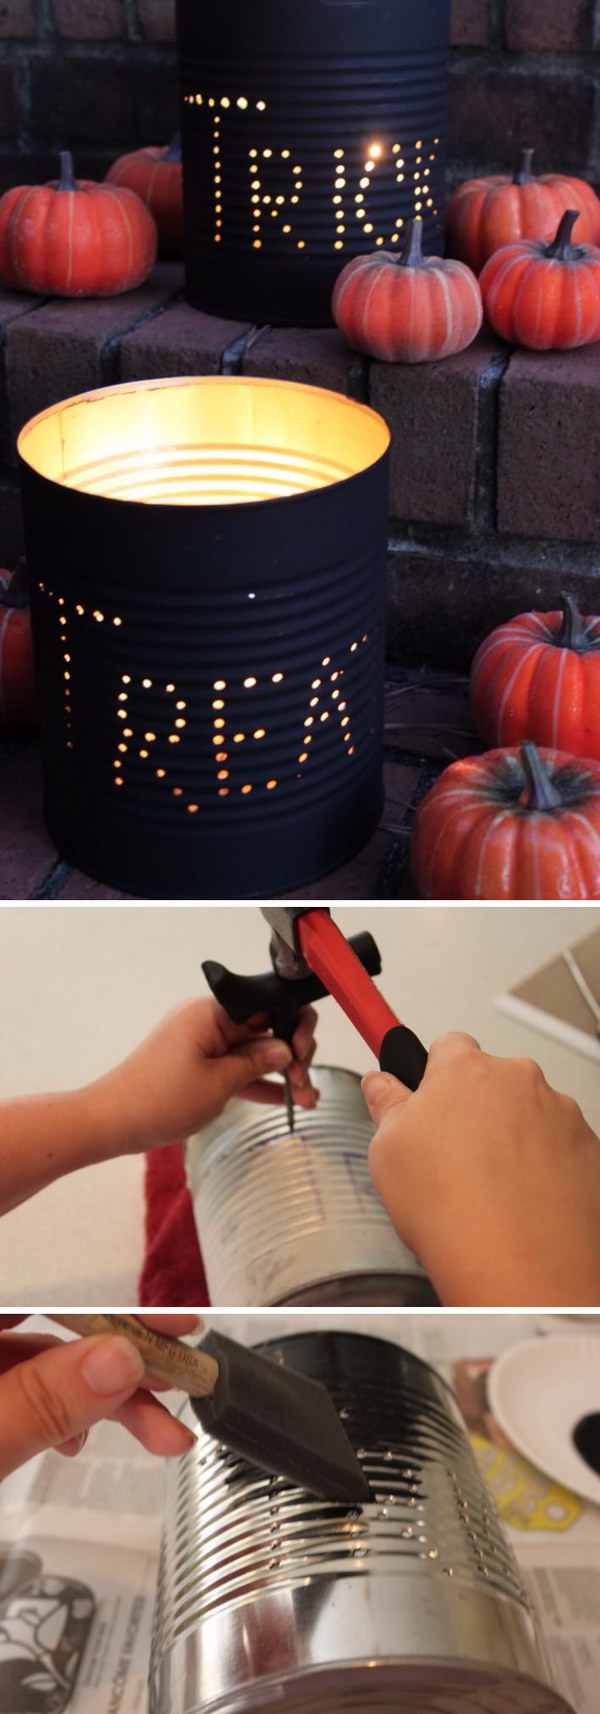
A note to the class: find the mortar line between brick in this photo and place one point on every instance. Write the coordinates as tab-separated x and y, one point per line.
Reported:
6	435
44	20
134	31
508	553
358	379
485	492
232	358
496	24
53	881
110	366
526	63
23	81
125	49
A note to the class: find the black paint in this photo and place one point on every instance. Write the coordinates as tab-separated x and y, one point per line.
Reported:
586	1437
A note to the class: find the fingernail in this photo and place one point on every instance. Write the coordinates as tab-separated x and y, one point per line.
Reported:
276	1056
374	1086
70	1448
111	1366
181	1442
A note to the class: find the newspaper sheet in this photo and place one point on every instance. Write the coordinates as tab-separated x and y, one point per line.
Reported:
79	1542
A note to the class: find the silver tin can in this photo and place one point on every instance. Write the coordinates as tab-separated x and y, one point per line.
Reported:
410	1604
296	1220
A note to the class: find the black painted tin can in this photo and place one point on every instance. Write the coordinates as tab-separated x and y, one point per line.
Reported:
207	566
312	130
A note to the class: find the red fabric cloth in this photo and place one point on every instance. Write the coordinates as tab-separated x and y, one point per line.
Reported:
173	1274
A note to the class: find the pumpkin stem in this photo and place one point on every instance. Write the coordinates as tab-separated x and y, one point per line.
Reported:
67	180
538	794
522	172
411	256
561	248
174	150
17	593
571	634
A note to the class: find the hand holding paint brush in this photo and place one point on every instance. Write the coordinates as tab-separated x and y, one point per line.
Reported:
52	1392
283	1422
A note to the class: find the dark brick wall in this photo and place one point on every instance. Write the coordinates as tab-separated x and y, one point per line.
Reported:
99	76
96	76
525	71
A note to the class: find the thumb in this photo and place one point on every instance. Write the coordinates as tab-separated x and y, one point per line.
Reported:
382	1092
249	1060
57	1395
449	1048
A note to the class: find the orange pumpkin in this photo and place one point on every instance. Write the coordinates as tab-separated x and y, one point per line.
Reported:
75	238
407	308
545	296
539	677
155	174
510	825
17	682
484	214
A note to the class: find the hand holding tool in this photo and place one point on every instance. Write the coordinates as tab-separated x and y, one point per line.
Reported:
267	1413
281	993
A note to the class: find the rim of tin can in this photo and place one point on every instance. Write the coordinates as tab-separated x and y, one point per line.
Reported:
372	1339
325	400
403	1679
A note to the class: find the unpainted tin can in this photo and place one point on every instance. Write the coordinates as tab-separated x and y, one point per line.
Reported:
411	1604
297	1220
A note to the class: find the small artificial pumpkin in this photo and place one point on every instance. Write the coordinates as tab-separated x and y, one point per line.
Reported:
17	682
510	825
484	214
407	308
539	677
155	174
75	238
544	296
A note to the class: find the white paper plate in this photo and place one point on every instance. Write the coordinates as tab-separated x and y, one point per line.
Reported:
538	1392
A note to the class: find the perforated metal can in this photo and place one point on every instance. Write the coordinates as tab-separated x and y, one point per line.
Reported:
410	1604
207	564
311	132
296	1220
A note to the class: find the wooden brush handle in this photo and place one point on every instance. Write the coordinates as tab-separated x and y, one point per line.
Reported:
193	1371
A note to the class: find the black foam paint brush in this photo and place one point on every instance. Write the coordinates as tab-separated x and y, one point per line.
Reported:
276	1419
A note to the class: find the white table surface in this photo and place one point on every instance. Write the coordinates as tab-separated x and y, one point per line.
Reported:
82	984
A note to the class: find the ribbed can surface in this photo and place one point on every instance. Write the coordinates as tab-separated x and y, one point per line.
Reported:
311	133
411	1604
207	562
284	1220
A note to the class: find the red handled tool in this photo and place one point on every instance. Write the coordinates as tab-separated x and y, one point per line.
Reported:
324	950
311	957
